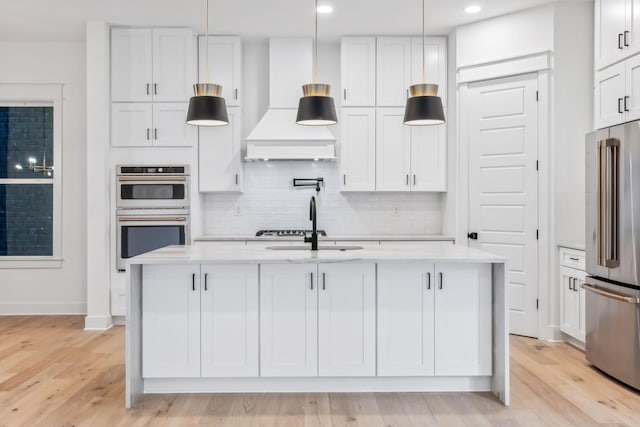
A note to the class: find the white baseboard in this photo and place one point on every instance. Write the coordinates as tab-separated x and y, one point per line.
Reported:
316	384
119	320
97	323
37	309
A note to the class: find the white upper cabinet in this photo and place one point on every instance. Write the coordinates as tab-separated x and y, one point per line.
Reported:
463	319
229	329
143	124
346	320
435	57
169	125
219	156
358	149
632	84
225	65
171	321
617	31
358	71
131	64
288	320
611	98
428	158
151	64
393	71
393	150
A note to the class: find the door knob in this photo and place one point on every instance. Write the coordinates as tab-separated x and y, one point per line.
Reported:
472	236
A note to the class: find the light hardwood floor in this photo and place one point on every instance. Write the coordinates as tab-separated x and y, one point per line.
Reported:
52	373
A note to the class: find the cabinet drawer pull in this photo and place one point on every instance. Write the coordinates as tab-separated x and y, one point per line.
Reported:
441	280
311	280
620	41
574	259
428	281
206	276
626	38
193	282
324	281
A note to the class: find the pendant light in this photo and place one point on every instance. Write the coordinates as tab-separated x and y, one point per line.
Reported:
424	106
316	107
207	107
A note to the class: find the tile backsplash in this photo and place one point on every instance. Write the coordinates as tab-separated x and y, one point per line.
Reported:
270	202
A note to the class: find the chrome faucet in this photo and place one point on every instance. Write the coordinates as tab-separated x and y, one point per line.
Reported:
314	232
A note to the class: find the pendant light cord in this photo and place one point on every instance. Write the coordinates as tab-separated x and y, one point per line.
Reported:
206	54
315	49
424	57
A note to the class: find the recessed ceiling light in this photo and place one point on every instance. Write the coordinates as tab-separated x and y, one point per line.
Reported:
325	9
473	9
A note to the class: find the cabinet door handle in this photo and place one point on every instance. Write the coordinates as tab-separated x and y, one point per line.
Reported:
324	281
155	133
148	85
345	94
155	88
428	281
626	38
236	179
148	130
311	280
193	282
570	286
206	276
620	41
441	280
406	179
620	110
235	94
344	179
414	179
626	103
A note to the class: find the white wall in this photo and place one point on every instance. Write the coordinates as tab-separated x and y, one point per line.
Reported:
509	36
55	290
268	201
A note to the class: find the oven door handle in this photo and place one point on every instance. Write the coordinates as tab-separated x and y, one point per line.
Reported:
611	295
152	178
151	218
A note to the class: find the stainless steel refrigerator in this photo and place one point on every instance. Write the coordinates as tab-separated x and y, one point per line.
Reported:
613	251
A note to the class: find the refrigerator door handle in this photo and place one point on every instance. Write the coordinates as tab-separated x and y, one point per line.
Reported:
608	203
622	298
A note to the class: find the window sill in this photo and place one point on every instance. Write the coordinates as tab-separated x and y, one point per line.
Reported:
9	262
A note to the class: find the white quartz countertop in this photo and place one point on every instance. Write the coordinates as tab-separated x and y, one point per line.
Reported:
572	245
385	237
199	254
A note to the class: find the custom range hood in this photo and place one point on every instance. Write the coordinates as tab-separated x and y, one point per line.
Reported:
277	136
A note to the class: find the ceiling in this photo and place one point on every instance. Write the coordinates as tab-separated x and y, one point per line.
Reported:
37	20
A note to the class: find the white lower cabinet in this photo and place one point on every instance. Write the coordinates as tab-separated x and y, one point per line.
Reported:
288	320
346	320
171	321
434	319
572	312
200	321
317	320
229	321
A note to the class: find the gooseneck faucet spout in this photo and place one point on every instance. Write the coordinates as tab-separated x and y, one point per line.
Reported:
314	231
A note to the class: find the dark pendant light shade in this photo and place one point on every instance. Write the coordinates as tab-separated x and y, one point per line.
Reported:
316	107
207	107
424	107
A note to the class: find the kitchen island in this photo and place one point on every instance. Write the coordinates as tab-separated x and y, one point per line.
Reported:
396	318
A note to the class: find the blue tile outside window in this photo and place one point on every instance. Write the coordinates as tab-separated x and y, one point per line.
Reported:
26	181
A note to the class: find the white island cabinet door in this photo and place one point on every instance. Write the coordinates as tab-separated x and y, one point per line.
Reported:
346	320
288	320
171	321
405	319
229	308
463	320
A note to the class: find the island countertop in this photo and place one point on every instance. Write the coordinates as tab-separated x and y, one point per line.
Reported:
198	254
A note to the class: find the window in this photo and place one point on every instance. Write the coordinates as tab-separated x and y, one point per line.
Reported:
29	182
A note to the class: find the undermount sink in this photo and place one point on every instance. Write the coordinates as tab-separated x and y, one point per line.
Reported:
308	248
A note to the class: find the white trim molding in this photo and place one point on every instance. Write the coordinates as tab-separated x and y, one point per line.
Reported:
97	323
40	309
505	67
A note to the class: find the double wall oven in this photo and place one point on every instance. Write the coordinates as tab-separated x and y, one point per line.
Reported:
152	209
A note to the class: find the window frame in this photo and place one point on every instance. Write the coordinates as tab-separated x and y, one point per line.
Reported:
30	95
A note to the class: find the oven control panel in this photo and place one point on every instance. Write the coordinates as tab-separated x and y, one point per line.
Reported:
153	170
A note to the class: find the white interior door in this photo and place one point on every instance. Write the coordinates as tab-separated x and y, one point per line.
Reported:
503	186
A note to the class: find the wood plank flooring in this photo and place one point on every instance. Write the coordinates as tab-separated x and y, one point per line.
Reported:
52	373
